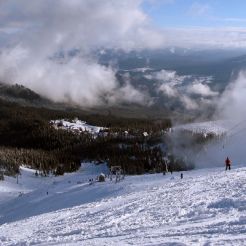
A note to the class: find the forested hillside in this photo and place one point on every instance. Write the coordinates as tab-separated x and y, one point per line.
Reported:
27	137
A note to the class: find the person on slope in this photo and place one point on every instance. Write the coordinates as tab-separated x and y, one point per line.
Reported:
228	163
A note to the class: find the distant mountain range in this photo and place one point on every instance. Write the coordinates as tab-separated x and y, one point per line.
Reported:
26	97
223	65
219	66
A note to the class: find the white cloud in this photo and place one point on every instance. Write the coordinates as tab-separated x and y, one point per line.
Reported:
44	28
128	92
167	76
235	20
183	88
168	90
188	102
34	32
232	103
201	89
83	24
232	113
204	38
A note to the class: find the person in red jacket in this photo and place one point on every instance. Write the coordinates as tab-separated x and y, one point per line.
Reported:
228	163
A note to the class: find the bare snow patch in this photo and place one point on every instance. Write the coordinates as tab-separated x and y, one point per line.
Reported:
76	126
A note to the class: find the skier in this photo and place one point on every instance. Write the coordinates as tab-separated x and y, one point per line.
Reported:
181	175
228	163
170	169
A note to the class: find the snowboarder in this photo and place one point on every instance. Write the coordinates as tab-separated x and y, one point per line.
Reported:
228	163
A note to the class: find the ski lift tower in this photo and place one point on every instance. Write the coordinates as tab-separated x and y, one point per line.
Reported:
1	173
117	171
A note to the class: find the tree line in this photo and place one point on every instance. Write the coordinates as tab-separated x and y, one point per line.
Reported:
27	138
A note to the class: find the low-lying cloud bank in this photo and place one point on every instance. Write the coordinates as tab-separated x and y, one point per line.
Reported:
41	36
37	38
232	108
192	91
231	111
229	127
233	100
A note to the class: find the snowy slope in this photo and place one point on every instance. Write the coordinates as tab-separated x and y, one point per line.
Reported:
207	207
77	126
217	128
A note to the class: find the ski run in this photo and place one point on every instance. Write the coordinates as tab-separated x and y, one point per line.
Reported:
206	207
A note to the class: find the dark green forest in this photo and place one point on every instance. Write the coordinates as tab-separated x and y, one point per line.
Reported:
28	138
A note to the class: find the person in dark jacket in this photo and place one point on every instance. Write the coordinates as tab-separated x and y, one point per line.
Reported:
228	163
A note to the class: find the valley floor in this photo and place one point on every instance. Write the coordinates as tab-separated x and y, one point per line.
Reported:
206	207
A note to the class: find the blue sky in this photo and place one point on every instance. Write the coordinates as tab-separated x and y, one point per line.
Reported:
199	13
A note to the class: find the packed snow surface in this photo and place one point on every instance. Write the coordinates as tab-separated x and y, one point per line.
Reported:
206	207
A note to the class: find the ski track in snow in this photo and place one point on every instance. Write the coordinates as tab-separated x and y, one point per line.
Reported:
207	207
